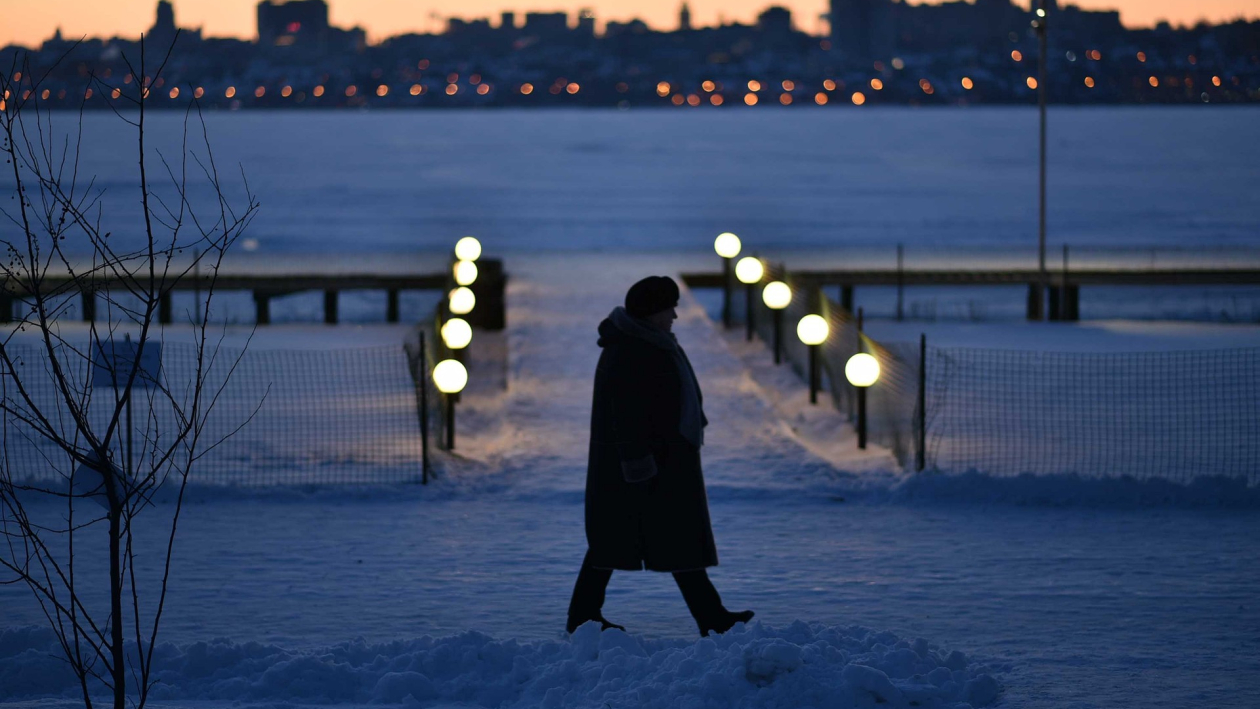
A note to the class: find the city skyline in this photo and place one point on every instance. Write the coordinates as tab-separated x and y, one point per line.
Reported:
384	18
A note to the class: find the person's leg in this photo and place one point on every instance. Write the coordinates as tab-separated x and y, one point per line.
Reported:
705	604
702	598
588	597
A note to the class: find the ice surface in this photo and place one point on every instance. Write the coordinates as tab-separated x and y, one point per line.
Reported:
624	181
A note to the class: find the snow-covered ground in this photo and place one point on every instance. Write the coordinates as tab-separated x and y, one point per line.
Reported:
352	596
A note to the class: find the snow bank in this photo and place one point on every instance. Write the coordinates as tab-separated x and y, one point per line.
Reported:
801	665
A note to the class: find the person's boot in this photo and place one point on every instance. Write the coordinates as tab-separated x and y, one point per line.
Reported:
604	623
723	621
705	604
588	598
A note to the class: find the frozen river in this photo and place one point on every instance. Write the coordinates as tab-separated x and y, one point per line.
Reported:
840	182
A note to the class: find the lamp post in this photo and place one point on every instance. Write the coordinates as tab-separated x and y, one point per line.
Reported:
461	301
468	249
456	335
727	246
450	377
862	370
777	296
1037	307
749	271
813	331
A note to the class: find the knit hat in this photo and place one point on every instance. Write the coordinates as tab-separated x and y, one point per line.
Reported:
651	295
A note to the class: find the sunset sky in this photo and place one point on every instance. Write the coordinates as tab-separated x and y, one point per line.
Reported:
29	22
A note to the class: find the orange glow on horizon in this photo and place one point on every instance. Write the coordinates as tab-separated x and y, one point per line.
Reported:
35	22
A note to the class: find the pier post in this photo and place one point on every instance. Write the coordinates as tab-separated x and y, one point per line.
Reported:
1072	303
846	298
6	306
164	308
391	305
89	305
262	308
1056	305
490	289
1035	306
330	307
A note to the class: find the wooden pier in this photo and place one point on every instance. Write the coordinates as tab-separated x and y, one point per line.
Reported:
489	289
1064	285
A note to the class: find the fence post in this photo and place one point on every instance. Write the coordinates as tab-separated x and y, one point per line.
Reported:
424	412
921	439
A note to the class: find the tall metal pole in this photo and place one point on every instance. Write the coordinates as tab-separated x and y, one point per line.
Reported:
1042	90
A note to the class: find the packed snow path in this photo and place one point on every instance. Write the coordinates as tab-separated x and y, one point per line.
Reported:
536	436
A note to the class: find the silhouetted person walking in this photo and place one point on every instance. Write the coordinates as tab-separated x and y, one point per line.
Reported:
646	507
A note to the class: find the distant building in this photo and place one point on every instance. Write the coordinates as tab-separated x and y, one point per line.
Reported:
684	18
162	33
302	25
586	23
862	30
633	27
546	24
775	19
507	20
283	24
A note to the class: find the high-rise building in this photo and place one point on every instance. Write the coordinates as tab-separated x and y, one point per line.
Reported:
507	20
300	22
684	17
586	22
775	19
864	29
162	33
546	24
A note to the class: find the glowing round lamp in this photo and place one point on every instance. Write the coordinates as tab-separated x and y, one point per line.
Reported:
468	249
456	333
862	370
776	295
450	376
462	301
727	245
813	330
749	270
465	273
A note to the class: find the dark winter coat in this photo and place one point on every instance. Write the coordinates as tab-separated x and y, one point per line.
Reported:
646	505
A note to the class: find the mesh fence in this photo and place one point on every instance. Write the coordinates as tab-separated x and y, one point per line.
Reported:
281	417
1171	415
1167	415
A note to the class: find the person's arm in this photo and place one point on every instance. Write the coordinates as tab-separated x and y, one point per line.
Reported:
638	395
